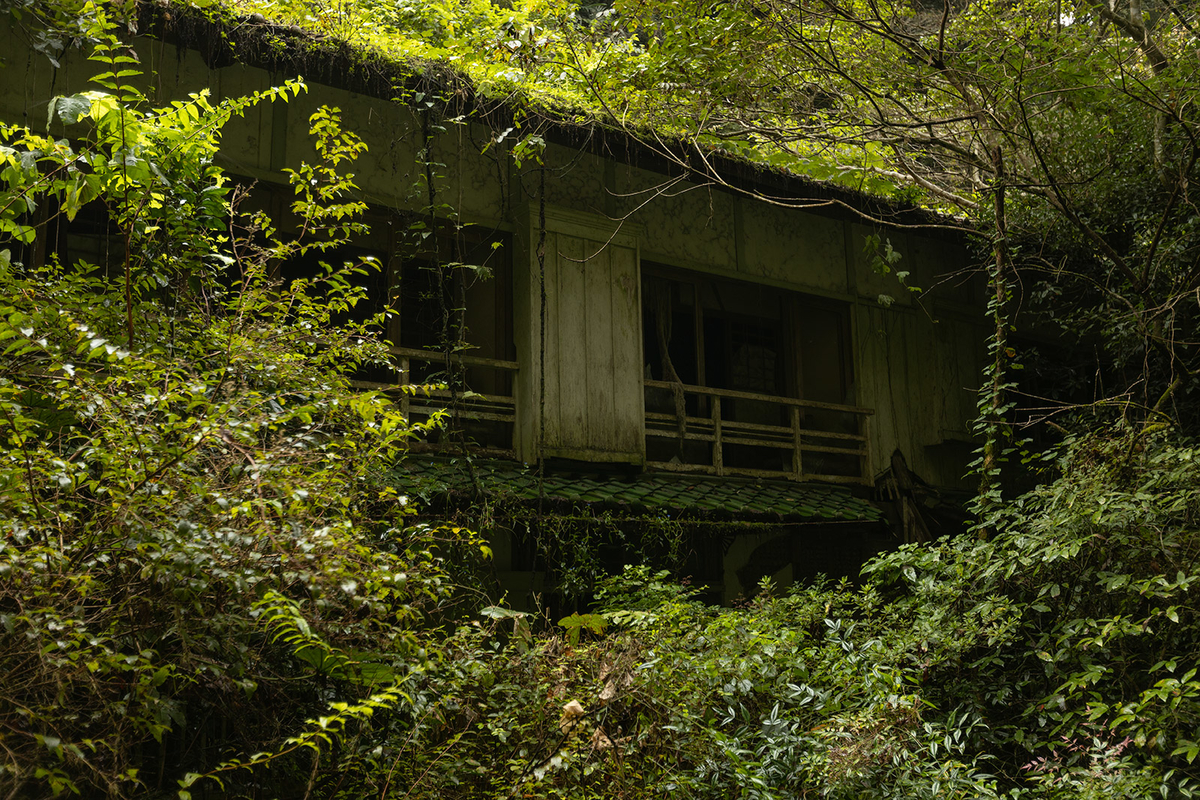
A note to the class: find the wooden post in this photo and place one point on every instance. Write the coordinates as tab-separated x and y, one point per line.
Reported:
864	460
718	458
405	379
797	456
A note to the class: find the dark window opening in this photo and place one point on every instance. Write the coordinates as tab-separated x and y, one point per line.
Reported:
448	321
701	331
453	301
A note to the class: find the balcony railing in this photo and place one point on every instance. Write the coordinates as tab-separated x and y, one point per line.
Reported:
720	432
723	432
484	420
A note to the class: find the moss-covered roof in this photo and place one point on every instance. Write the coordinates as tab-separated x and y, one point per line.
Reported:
687	495
289	49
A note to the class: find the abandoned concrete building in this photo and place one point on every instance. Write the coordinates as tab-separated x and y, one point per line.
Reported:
717	357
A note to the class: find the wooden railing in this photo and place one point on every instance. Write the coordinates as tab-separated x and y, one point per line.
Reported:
814	442
465	406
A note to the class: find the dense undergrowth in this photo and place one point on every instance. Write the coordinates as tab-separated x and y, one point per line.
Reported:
200	561
1057	659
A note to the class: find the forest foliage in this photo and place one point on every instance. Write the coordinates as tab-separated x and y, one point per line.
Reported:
208	590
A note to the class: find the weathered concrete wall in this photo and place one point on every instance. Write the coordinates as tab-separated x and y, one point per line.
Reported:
916	362
791	246
919	376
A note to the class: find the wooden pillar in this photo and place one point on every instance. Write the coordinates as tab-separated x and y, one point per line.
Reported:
405	378
797	454
718	456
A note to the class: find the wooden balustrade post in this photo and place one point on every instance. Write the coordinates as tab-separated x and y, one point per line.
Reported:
405	379
864	459
797	454
718	457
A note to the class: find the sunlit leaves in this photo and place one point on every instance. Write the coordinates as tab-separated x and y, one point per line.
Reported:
195	528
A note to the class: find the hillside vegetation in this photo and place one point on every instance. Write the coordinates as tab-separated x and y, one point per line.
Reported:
207	590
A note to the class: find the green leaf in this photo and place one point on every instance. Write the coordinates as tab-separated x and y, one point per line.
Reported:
69	109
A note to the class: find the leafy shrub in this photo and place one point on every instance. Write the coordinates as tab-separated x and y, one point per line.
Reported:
198	558
1055	660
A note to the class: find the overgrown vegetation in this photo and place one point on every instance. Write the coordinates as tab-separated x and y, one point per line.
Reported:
198	554
1057	659
207	590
